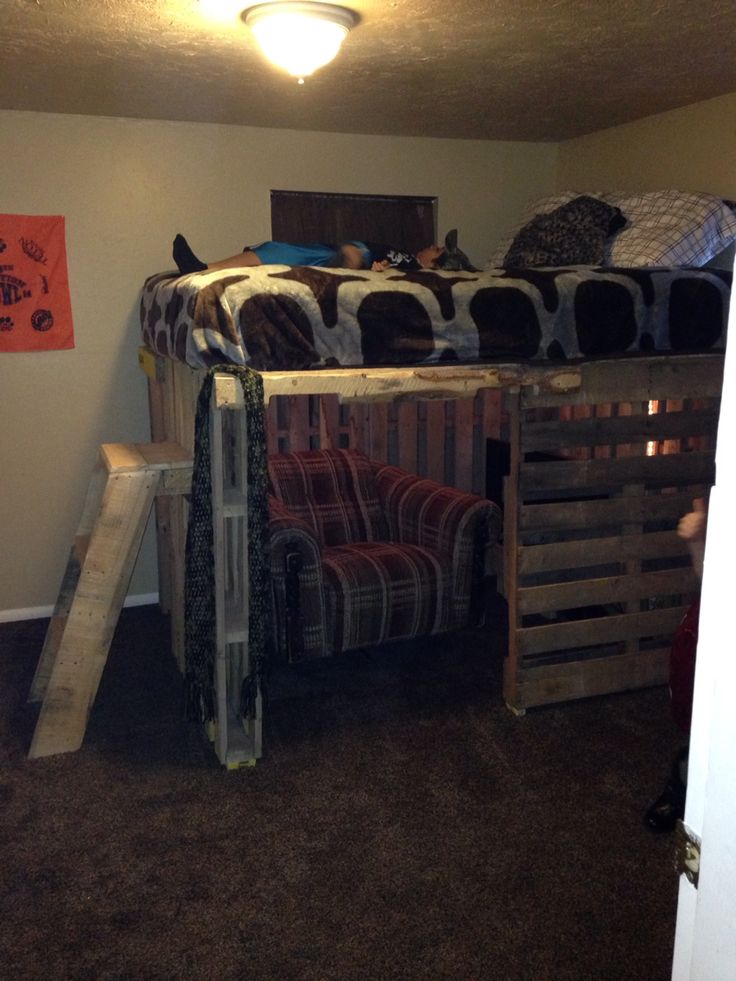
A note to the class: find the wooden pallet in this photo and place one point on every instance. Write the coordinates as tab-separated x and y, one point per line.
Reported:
596	577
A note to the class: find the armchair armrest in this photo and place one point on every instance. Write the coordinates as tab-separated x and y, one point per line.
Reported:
296	583
456	524
423	512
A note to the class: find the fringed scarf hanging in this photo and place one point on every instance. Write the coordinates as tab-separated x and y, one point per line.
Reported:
200	641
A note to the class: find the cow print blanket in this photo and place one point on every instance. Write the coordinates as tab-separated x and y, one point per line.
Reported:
280	317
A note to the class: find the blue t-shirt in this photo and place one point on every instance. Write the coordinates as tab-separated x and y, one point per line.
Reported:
320	254
284	253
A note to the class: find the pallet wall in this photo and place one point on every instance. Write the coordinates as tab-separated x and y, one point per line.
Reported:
444	440
596	577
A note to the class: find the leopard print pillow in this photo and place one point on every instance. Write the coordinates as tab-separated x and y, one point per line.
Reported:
574	234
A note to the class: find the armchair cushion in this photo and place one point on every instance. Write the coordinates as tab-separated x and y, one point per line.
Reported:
378	592
333	491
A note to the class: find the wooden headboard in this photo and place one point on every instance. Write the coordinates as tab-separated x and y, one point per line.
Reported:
404	221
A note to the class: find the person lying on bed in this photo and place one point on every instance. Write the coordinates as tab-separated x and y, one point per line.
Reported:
349	255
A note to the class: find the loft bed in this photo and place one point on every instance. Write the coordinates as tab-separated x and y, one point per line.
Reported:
280	318
600	381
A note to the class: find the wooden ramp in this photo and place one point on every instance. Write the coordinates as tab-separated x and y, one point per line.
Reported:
126	479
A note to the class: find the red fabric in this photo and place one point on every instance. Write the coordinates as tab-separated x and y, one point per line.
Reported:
35	309
682	667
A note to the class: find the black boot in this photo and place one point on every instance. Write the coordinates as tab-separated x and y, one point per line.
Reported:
669	807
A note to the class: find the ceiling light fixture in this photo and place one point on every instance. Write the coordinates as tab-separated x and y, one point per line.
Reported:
300	36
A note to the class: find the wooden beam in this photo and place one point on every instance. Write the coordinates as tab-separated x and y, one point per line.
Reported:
124	483
93	615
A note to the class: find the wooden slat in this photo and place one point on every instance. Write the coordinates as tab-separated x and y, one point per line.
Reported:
272	426
639	380
298	423
329	422
590	514
555	436
379	433
358	425
591	474
599	551
613	380
430	381
491	413
186	385
608	590
599	630
487	425
407	431
549	684
436	435
463	456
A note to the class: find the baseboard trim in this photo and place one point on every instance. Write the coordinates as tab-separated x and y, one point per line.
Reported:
43	612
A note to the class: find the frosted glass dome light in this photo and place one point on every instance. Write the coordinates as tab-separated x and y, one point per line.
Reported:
300	37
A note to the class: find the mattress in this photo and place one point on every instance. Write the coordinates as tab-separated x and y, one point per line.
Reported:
303	317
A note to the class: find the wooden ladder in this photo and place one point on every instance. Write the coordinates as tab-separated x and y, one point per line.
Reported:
126	479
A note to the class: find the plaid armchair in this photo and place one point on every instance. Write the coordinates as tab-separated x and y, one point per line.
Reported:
364	553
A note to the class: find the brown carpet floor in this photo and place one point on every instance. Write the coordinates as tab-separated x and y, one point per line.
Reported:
403	824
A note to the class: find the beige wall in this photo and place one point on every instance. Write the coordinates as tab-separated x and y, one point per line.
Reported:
691	149
125	187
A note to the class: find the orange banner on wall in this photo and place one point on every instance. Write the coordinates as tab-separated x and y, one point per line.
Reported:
35	308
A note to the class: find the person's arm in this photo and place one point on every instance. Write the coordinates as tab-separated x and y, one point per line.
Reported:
691	529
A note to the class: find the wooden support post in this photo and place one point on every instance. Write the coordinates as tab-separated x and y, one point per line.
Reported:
511	542
237	740
124	483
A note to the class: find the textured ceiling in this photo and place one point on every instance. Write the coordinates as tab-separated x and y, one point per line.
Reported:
474	69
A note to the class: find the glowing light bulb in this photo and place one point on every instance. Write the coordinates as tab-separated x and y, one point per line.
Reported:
300	37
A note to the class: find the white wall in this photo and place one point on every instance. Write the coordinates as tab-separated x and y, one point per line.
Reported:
125	187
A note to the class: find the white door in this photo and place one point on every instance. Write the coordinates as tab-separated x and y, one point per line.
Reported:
705	941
